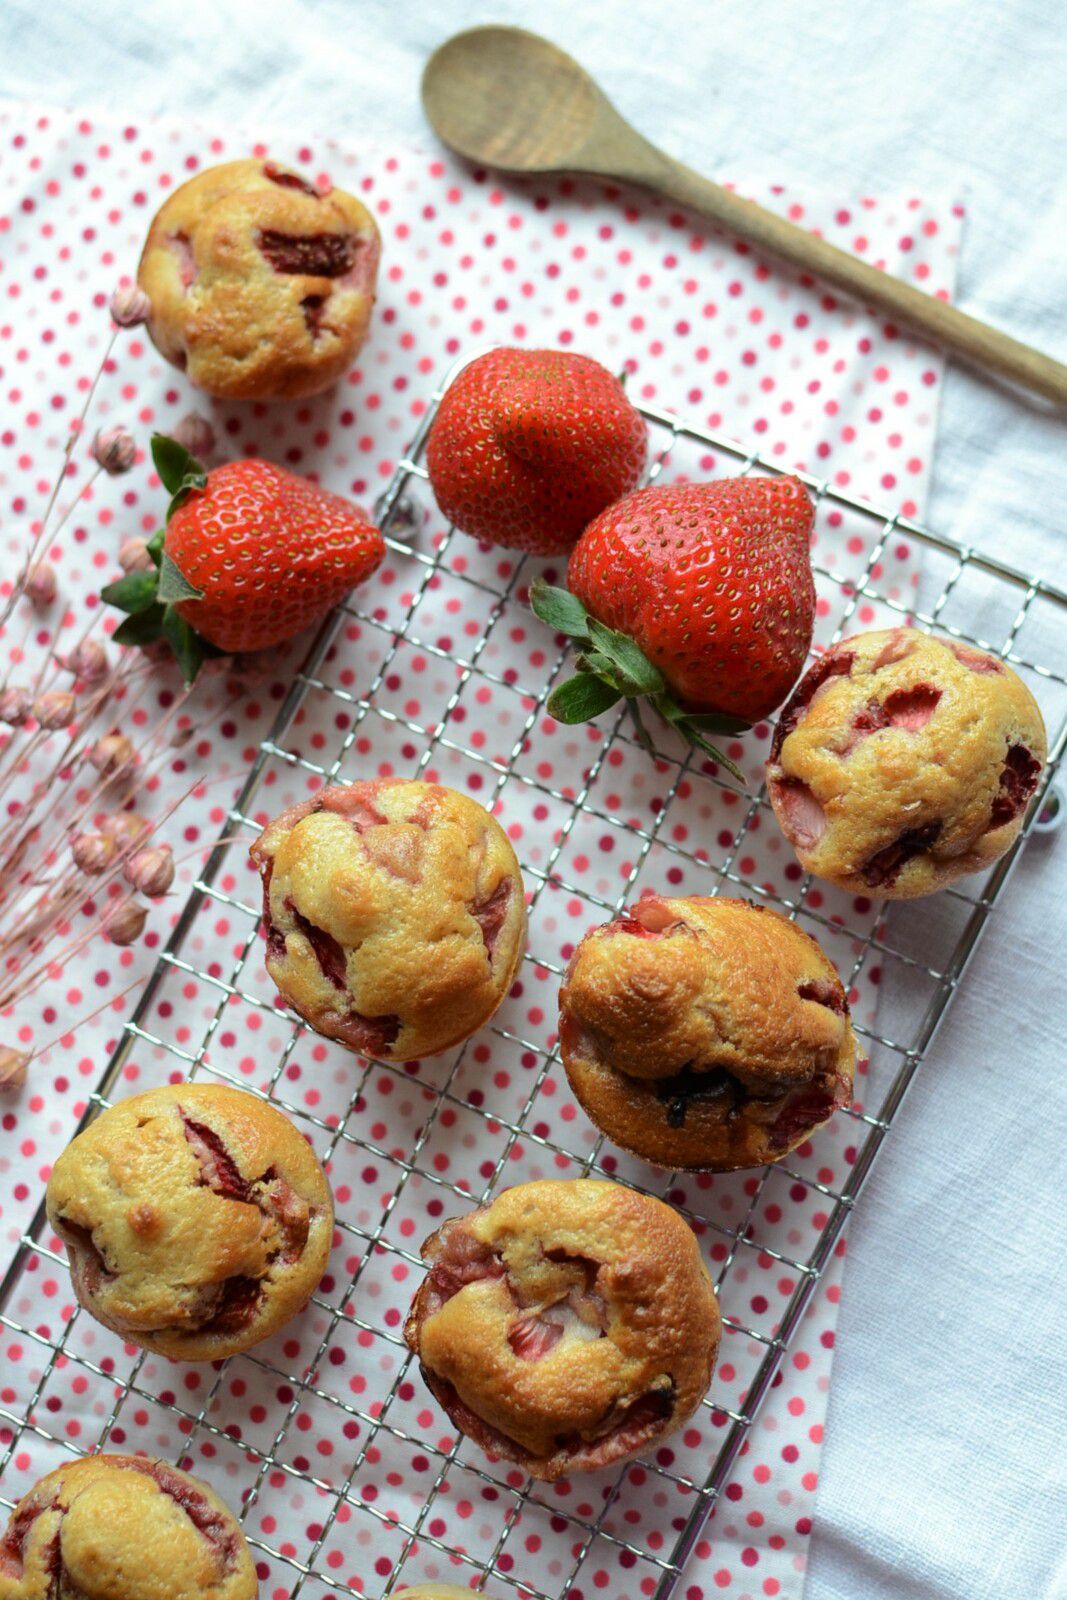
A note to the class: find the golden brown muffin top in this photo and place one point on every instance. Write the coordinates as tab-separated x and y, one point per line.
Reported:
395	914
261	284
904	761
114	1527
197	1218
567	1323
705	1032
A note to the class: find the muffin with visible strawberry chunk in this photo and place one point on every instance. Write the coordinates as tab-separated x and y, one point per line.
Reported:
566	1326
903	762
197	1219
705	1033
261	284
394	915
113	1526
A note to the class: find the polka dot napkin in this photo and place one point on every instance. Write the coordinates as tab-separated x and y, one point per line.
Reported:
354	1469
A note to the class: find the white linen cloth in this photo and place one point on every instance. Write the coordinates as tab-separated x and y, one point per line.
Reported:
941	1475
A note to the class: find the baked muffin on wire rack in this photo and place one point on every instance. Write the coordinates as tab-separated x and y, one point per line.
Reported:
705	1033
903	762
567	1325
394	915
112	1526
196	1217
261	285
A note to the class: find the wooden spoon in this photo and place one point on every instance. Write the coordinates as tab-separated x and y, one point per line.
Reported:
507	98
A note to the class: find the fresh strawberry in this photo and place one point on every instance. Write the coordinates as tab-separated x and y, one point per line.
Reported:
698	596
529	445
251	554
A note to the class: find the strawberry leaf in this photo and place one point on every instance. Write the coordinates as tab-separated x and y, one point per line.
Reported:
173	584
560	609
144	628
185	642
155	545
174	464
697	738
630	661
133	594
581	698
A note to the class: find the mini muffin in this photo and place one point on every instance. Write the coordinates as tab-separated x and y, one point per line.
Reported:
394	915
123	1526
261	285
705	1033
567	1325
903	762
197	1219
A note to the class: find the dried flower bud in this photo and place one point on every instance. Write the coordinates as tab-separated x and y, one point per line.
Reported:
125	827
134	557
114	450
124	922
13	1064
15	705
196	434
55	709
112	755
93	852
151	870
88	662
129	305
42	585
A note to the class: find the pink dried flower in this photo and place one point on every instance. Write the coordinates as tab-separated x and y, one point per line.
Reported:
124	922
15	706
196	434
125	827
55	709
129	305
42	585
87	661
134	557
112	755
114	450
13	1064
151	870
92	852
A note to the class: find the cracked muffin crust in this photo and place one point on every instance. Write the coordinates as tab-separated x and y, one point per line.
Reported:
261	285
705	1033
112	1525
903	762
197	1219
566	1325
394	915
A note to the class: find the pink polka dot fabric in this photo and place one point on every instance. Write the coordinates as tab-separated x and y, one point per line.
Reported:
326	1434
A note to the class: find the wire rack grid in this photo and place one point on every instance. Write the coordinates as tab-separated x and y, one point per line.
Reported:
928	951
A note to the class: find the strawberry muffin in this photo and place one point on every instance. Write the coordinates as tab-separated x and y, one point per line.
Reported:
110	1526
705	1033
903	762
394	915
261	285
197	1219
567	1325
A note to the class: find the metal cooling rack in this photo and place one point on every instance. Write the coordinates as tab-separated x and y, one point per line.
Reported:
652	1567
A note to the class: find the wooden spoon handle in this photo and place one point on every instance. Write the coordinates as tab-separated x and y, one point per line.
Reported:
973	341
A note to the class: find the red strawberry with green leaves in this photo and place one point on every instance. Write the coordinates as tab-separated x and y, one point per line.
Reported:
251	555
529	445
695	596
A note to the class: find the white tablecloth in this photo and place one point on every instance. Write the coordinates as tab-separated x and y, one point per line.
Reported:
940	1473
